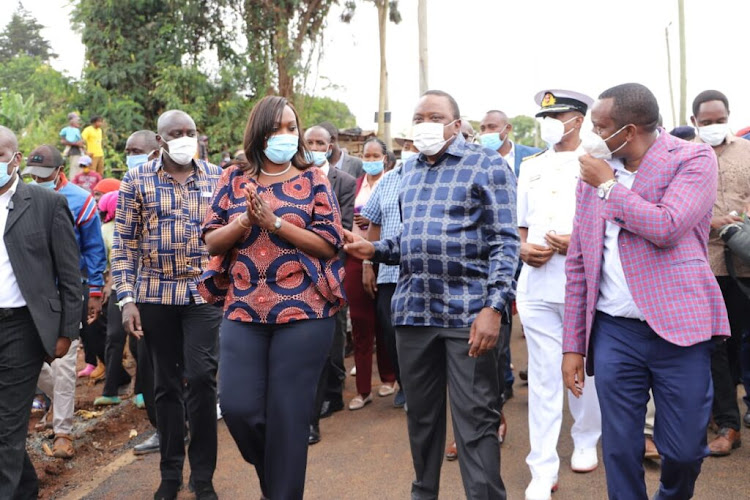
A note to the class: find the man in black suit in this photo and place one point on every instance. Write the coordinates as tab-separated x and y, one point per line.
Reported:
40	306
330	386
339	159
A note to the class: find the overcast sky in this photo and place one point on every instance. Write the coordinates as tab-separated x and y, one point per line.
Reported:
498	53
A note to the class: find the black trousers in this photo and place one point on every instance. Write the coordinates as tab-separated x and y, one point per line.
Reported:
431	360
21	358
93	336
385	320
333	374
725	360
268	381
183	342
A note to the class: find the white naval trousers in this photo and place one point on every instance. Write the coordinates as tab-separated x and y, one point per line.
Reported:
543	326
58	382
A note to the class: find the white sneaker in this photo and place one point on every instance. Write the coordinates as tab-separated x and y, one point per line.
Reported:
584	460
353	371
219	416
541	488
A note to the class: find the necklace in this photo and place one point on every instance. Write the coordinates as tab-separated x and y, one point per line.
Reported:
277	174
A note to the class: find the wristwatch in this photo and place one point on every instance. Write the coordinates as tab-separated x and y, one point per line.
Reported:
276	225
604	188
123	302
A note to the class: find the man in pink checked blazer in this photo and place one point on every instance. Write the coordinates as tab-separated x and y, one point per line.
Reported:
641	302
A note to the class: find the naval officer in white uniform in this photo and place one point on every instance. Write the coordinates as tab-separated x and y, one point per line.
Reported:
546	207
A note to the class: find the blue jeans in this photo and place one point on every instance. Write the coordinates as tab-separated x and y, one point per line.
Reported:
629	359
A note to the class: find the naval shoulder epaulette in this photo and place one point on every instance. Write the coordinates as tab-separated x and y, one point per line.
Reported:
534	155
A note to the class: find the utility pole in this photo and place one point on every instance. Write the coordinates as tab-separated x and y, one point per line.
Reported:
669	76
422	23
383	127
683	64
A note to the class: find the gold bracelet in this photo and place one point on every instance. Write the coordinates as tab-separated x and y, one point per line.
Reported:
239	221
367	262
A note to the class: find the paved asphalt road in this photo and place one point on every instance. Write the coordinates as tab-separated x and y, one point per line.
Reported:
365	455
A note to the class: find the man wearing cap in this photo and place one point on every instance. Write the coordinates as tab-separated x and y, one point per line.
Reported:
58	379
546	208
86	178
40	306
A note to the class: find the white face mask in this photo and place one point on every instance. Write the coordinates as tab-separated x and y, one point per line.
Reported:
428	137
597	147
714	134
553	130
405	155
182	150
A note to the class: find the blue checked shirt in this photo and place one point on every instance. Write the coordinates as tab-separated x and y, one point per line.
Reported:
158	255
458	250
382	209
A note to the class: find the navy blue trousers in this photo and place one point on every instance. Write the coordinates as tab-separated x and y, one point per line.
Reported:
268	378
629	359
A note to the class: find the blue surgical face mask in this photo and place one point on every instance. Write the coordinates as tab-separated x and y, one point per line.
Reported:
48	184
317	158
329	154
372	167
281	148
134	161
5	176
493	141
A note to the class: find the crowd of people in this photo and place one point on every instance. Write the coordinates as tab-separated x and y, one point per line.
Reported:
620	246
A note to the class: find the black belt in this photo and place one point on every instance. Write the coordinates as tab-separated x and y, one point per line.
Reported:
9	312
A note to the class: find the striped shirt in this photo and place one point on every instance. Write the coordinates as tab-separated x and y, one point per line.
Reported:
382	208
158	255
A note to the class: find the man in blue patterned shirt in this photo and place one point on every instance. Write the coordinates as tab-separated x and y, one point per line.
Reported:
157	258
458	252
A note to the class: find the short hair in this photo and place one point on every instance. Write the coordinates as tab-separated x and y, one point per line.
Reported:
320	127
10	136
685	132
96	118
451	100
164	119
72	115
148	136
382	145
260	126
707	96
497	111
333	131
633	103
390	160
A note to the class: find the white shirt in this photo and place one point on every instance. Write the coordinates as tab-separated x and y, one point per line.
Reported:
615	298
510	158
325	168
546	201
10	294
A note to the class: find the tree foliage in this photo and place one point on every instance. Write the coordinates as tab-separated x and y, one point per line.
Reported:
22	36
525	130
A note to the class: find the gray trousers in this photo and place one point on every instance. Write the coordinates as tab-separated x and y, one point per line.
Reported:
431	359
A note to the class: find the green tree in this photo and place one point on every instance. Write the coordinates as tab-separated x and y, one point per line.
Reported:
23	36
277	34
525	130
29	76
319	109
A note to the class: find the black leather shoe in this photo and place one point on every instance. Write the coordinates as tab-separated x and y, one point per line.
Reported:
330	407
167	490
523	375
151	445
746	418
205	491
507	393
314	434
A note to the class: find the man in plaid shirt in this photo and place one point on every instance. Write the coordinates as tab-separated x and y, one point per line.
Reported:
158	257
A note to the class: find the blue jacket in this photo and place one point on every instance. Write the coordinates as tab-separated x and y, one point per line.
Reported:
521	153
88	230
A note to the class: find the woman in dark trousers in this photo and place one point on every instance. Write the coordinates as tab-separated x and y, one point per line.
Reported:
274	229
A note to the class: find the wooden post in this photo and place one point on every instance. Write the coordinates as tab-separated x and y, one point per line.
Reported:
383	100
669	76
683	64
422	23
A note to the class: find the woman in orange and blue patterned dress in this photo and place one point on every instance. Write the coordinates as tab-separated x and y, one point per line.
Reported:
275	229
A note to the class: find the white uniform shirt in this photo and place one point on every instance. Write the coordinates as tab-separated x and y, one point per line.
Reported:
615	298
10	294
510	158
546	200
326	167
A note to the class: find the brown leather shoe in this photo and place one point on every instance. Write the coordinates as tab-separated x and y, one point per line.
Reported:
63	447
99	372
503	429
651	452
727	440
451	453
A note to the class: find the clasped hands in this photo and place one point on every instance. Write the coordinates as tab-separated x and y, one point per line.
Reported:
258	212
